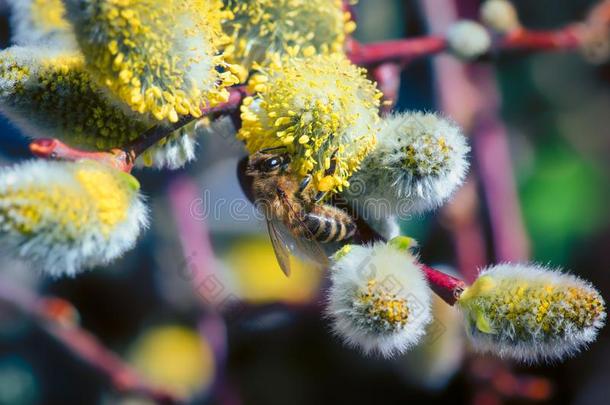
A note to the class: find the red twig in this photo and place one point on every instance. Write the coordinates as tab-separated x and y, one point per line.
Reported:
402	50
405	50
447	287
566	38
84	346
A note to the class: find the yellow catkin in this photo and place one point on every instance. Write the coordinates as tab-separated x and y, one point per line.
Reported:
157	56
264	31
529	312
319	108
66	217
100	197
57	97
107	190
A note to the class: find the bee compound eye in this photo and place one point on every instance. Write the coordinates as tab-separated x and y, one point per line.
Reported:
272	163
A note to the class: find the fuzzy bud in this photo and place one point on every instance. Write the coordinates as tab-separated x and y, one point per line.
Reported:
175	150
122	40
68	217
320	109
500	15
531	313
419	161
265	31
468	40
379	300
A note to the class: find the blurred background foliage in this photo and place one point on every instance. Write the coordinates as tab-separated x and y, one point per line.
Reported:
278	349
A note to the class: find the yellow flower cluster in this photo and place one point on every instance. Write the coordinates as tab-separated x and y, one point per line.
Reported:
531	312
264	31
318	108
381	306
64	217
54	96
158	56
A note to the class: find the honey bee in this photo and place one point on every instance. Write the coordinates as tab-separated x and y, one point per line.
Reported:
295	216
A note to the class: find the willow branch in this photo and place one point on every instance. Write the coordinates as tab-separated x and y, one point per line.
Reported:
569	37
563	39
447	287
159	132
401	50
124	158
83	345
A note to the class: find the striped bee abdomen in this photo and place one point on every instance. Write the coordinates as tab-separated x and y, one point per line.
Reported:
328	228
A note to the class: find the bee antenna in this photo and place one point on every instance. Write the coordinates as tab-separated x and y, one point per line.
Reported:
274	149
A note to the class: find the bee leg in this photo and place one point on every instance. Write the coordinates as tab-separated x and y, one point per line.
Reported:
304	183
319	196
333	164
329	172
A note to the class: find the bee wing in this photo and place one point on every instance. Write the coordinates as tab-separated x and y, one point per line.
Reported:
281	249
286	245
309	248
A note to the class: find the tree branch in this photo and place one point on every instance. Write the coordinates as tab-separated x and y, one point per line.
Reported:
124	158
567	38
401	50
563	39
157	133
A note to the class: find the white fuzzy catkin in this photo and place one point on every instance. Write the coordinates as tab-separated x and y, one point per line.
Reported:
419	161
175	151
66	217
379	300
531	313
468	40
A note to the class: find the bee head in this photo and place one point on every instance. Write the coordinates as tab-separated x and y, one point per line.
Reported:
266	163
